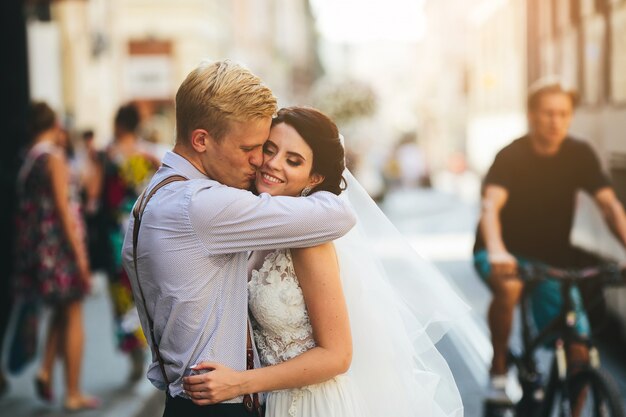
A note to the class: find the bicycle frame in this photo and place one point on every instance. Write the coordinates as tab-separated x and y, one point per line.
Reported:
562	327
562	334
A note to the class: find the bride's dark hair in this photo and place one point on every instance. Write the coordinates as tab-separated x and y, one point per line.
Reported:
322	135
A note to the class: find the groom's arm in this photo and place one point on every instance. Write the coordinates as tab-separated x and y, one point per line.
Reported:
230	220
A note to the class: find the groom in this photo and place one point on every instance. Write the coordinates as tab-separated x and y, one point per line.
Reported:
189	272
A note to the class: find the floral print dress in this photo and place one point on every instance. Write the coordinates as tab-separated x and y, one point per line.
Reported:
124	179
45	265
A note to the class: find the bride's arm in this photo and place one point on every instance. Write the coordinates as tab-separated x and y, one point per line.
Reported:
318	272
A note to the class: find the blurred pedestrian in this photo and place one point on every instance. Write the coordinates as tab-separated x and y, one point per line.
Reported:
51	261
90	162
406	166
128	166
412	167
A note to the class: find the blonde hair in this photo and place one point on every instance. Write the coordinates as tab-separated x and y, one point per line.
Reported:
547	86
217	93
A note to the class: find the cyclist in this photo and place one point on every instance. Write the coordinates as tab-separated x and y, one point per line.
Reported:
528	199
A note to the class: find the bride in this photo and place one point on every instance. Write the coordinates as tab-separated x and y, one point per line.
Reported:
346	328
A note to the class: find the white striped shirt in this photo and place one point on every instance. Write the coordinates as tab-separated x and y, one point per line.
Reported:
192	260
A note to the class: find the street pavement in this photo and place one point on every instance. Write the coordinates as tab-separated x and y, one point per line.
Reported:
441	228
104	373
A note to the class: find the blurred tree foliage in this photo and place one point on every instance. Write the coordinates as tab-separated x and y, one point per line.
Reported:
344	101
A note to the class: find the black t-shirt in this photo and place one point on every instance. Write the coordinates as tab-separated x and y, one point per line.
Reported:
538	215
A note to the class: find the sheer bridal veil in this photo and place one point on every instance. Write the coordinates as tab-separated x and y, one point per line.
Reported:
400	305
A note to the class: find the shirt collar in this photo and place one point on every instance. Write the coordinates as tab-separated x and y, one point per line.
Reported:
183	166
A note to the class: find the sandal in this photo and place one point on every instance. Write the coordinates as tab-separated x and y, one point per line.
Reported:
82	403
43	389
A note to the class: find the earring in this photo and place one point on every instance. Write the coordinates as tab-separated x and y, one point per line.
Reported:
306	191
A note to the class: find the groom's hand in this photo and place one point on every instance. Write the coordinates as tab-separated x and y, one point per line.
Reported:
219	383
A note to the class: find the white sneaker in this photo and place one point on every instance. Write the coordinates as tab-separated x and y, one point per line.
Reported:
497	390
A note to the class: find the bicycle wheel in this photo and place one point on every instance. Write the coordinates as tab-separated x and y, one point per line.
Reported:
593	393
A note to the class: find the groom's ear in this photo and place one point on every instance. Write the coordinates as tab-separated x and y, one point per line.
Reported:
200	140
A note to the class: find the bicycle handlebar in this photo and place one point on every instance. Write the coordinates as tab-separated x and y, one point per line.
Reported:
611	272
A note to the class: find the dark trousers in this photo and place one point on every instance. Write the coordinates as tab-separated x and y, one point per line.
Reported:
178	406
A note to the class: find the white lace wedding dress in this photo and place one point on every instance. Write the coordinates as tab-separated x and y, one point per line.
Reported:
282	331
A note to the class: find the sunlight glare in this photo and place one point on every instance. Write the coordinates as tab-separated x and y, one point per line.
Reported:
356	21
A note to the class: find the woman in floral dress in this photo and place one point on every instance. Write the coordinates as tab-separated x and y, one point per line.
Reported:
51	263
128	165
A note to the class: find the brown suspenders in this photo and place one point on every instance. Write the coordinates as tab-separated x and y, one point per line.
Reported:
251	402
140	206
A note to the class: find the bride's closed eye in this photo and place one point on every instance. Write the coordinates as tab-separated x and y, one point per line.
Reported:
269	148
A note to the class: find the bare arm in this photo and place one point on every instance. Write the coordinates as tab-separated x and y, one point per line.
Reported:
613	212
493	200
59	174
318	273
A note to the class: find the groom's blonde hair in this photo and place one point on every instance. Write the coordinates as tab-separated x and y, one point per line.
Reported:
217	93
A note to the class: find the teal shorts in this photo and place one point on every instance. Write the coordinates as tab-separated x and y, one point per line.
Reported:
546	299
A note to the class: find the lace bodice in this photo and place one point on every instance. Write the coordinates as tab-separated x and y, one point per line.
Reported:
280	320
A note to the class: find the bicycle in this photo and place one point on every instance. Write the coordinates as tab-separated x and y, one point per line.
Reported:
587	390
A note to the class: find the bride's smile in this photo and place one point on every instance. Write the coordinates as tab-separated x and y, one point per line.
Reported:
271	179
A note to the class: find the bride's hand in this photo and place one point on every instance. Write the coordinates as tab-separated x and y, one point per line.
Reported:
213	384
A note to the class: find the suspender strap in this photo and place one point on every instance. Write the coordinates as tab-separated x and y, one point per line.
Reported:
142	202
252	403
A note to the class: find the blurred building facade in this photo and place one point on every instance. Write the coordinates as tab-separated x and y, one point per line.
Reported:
514	43
86	57
497	82
442	79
